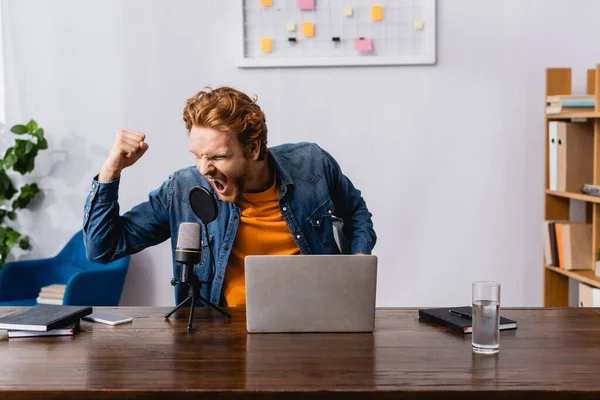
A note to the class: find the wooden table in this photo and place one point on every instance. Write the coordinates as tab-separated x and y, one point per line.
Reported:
554	353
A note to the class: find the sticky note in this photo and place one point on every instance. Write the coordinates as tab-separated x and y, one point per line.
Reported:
308	29
290	26
418	25
306	4
363	45
348	11
266	45
266	3
376	13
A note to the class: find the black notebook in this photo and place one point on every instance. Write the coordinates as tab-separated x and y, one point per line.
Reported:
458	318
43	317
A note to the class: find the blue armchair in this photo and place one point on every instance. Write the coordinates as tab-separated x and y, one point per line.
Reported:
88	283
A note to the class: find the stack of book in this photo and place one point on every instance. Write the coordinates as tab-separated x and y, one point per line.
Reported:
52	294
568	245
560	103
44	320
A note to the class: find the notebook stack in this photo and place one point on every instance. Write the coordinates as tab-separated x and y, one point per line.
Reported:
52	294
44	320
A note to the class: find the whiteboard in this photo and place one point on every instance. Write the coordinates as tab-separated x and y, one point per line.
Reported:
344	32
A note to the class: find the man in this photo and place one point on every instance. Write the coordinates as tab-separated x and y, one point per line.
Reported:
275	201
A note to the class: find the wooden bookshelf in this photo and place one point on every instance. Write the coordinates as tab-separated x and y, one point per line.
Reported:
574	196
557	204
571	115
588	277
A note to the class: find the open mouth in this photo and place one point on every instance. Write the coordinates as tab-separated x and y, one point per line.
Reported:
220	184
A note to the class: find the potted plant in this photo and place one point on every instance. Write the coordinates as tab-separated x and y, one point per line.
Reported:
29	140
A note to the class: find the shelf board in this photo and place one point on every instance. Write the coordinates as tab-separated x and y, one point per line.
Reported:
574	114
574	196
586	276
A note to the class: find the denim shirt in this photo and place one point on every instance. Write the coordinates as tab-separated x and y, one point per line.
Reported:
312	189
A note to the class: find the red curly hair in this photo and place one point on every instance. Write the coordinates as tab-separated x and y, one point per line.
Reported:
228	110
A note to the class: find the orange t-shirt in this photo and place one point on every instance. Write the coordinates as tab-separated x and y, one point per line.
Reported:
261	231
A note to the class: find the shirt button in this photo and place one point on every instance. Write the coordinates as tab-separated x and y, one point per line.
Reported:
219	277
235	217
298	236
225	248
284	208
329	211
318	222
93	186
213	300
202	242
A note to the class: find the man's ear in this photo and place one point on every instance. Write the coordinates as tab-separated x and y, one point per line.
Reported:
254	148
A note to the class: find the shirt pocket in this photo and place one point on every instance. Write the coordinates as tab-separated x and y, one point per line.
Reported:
321	223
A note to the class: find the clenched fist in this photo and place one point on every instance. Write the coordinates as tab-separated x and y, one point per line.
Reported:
128	147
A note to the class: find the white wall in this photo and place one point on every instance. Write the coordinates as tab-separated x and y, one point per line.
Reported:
449	157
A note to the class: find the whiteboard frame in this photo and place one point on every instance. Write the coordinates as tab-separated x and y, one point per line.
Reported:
429	57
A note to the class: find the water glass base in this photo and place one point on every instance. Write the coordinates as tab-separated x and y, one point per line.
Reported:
486	350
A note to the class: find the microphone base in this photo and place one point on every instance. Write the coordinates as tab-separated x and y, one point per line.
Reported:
193	294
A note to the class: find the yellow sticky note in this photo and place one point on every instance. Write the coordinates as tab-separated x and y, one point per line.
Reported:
376	13
290	26
418	25
308	29
266	45
266	3
348	11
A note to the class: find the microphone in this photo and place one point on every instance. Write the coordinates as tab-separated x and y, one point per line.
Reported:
187	251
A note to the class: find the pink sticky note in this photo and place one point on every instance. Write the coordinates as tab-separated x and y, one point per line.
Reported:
363	45
306	4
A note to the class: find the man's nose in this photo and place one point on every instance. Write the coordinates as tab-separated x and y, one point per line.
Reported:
205	166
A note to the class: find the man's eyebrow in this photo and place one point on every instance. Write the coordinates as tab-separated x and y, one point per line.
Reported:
211	156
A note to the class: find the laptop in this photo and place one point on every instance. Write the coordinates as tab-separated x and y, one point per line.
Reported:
311	293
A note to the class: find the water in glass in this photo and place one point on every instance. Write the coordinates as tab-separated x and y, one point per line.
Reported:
486	325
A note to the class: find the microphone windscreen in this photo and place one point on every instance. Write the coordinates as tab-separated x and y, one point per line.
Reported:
203	204
189	236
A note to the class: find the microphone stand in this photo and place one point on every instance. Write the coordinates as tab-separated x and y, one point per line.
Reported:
194	285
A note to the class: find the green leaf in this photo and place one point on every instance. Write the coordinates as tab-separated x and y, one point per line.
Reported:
9	158
10	237
19	129
26	153
42	144
28	193
32	126
24	243
39	133
7	189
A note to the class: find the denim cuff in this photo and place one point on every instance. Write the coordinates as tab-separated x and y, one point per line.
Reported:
360	246
105	191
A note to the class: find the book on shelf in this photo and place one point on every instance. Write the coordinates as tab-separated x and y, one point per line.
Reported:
568	245
458	318
67	330
559	103
592	190
43	317
570	155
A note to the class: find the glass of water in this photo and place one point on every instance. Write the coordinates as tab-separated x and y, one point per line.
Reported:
486	317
